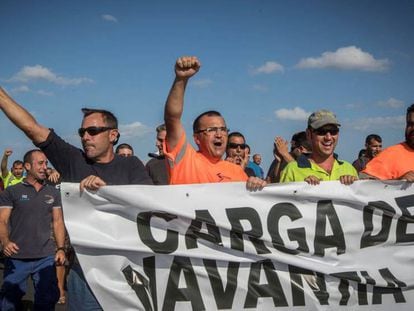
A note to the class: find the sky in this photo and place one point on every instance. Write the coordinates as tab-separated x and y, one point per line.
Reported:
266	65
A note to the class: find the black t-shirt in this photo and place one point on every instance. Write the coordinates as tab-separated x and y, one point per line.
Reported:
158	171
30	218
74	166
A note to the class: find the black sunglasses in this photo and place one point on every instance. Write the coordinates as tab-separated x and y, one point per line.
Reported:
234	146
93	130
323	131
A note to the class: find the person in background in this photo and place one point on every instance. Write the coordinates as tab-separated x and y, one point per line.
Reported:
373	146
124	150
236	152
15	175
157	166
255	165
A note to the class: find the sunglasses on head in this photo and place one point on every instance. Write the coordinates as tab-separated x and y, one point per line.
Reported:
93	130
234	146
323	131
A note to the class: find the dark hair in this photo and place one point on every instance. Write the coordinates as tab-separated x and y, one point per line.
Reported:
410	110
236	134
28	155
124	146
210	113
374	137
109	118
301	139
161	128
17	162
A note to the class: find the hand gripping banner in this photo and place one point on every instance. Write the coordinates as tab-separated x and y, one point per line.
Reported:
219	247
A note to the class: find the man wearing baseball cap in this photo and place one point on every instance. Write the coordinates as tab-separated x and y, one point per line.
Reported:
322	164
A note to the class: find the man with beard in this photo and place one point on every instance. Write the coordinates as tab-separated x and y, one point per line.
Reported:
373	146
395	162
95	166
322	164
186	165
236	152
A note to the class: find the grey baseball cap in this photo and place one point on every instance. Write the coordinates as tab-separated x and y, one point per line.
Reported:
321	118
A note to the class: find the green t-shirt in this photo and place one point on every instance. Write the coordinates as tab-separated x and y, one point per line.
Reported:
299	170
11	180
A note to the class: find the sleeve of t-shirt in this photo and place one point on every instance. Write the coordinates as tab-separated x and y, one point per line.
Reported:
138	175
59	152
6	198
287	173
174	156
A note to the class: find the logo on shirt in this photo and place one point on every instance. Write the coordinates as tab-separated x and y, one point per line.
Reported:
24	197
49	199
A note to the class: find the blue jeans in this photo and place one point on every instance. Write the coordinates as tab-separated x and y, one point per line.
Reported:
16	273
80	296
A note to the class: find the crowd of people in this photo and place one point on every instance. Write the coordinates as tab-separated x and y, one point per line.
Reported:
30	204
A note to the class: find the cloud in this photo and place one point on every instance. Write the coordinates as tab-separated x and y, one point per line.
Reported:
135	129
38	72
44	93
391	103
376	123
109	18
346	58
295	114
260	88
202	83
21	89
268	67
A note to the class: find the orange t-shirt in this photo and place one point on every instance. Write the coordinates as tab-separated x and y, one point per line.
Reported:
392	163
187	166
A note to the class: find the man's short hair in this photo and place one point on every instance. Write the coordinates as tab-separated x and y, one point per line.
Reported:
124	146
109	118
236	134
28	156
410	110
210	113
161	128
301	140
17	162
373	137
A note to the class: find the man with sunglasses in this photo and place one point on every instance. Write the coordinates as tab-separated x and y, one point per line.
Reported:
236	152
94	166
186	165
322	164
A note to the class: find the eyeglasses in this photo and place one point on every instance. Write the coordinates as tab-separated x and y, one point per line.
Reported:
93	130
323	131
214	130
235	146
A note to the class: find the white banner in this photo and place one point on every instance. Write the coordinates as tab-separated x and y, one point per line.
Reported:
220	247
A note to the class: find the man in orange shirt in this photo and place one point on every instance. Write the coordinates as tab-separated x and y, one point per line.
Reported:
186	165
395	162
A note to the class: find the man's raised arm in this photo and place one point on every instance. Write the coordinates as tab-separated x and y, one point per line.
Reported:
185	67
22	118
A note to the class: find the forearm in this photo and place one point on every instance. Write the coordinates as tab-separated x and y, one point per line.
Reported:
4	233
175	101
59	232
4	170
287	157
22	118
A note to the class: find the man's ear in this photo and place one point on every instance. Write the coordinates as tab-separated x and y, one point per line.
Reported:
114	136
196	139
308	134
27	166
